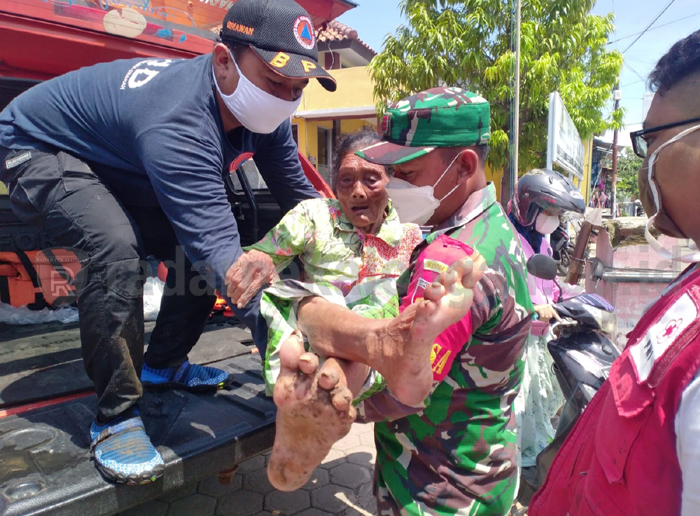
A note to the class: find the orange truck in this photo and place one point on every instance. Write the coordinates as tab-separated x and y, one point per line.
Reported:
46	399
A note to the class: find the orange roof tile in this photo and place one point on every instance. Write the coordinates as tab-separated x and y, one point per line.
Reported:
336	31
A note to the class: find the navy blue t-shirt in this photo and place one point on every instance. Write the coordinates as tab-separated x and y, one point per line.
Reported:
155	124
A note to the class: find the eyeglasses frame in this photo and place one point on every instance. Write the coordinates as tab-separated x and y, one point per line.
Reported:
642	132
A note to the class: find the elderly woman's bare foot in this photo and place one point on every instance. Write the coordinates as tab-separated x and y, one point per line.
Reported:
314	410
406	342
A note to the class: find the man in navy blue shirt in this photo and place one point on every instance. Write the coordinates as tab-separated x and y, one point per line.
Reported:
126	159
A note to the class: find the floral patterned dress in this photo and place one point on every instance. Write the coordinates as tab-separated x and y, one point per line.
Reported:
340	263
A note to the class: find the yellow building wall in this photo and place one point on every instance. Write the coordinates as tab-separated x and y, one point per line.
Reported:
307	131
350	126
354	90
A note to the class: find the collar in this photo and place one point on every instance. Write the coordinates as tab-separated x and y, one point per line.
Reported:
391	230
477	203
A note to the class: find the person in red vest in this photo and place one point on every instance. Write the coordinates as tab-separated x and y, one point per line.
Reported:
636	448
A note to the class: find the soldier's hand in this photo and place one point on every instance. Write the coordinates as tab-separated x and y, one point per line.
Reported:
250	273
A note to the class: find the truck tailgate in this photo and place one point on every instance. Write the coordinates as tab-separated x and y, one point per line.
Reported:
45	465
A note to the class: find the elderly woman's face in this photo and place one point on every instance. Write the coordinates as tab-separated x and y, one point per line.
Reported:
361	192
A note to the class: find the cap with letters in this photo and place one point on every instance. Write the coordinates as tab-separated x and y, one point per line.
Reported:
281	33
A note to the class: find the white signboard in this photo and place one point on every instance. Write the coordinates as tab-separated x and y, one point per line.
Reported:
564	146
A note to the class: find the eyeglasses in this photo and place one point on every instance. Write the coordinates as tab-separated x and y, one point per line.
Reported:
639	142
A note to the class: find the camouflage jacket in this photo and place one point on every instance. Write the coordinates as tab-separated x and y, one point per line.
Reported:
457	455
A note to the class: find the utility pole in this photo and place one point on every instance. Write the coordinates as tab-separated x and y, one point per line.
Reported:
617	95
516	129
514	109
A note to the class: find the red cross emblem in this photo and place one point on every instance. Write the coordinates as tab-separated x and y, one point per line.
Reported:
669	331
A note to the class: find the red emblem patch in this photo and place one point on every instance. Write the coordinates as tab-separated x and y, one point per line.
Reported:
304	32
386	124
242	158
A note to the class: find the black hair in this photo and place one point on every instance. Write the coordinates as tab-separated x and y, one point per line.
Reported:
349	143
679	63
235	47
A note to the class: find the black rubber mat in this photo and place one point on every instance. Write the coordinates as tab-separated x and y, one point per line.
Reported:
39	361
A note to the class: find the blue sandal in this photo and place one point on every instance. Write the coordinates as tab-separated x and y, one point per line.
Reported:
189	377
123	453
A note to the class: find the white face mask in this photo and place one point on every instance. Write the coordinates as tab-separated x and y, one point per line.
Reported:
256	109
546	224
653	242
416	203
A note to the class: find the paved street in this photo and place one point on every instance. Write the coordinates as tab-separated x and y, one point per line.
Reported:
342	485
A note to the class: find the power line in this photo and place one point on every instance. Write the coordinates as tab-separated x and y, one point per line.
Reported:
634	71
655	28
649	26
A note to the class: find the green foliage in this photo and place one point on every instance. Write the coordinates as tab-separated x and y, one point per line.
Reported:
468	44
628	165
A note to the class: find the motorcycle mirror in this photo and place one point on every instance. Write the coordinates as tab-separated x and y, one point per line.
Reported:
542	266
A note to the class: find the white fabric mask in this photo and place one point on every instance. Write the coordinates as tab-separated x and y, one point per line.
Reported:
416	203
257	110
546	224
653	242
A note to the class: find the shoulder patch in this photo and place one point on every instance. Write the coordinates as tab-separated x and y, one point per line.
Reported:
434	266
661	335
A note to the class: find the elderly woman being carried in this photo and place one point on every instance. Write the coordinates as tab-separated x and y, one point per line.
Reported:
352	250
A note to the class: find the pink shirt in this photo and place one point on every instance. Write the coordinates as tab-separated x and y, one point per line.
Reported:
542	291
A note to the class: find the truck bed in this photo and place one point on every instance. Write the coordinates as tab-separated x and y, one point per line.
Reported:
45	465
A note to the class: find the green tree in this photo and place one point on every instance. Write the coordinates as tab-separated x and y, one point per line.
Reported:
468	44
628	165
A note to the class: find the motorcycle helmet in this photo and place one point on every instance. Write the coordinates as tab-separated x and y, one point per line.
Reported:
543	189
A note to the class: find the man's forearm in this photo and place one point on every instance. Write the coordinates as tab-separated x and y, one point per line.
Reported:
336	331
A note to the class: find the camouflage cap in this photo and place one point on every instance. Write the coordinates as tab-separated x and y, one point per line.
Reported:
439	117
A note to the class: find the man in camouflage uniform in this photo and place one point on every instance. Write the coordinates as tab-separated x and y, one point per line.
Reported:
455	454
458	454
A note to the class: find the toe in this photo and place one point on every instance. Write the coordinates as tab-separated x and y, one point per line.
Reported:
341	398
329	375
291	350
349	416
308	363
478	269
435	291
464	269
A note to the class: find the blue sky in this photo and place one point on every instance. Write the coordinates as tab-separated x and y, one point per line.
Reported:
373	19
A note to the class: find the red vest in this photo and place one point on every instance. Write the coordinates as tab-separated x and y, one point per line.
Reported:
620	458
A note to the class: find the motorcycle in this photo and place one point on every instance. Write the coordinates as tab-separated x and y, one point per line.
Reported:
583	354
